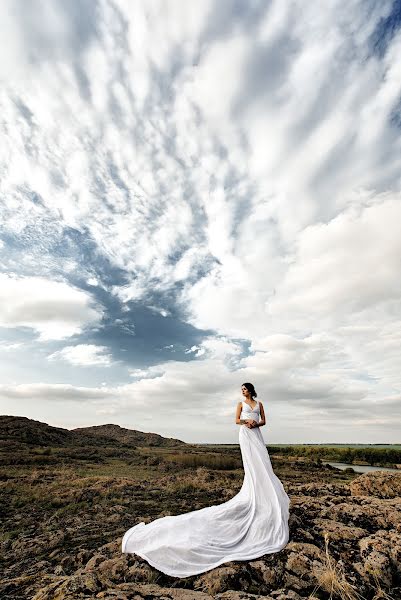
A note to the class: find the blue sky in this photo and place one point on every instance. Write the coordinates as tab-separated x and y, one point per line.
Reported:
194	195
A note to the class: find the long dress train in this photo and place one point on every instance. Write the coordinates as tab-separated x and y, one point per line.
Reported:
252	523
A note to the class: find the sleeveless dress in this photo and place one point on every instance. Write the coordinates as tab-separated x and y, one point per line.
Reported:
252	523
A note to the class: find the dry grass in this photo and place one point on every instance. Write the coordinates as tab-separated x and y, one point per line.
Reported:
380	594
202	459
331	578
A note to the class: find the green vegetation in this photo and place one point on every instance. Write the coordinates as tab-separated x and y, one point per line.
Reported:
370	455
213	461
380	455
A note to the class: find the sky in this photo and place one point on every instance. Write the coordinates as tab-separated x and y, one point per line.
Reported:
197	195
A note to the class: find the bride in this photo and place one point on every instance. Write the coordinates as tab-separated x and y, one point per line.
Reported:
252	523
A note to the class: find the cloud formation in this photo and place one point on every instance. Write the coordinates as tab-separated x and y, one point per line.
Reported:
54	309
83	354
197	196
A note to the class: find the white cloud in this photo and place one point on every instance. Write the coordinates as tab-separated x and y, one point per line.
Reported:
10	347
84	355
296	380
215	100
56	392
93	281
143	373
54	309
344	266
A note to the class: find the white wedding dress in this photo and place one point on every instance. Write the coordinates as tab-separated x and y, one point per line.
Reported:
252	523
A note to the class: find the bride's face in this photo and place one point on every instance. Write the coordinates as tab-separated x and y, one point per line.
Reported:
245	392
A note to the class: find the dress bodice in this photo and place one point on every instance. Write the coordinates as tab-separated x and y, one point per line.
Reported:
250	413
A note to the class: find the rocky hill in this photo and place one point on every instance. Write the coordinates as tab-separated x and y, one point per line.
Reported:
31	432
16	429
127	437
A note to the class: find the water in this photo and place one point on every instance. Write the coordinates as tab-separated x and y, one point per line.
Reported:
360	468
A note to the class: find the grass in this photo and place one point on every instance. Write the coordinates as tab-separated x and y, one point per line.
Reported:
380	594
117	469
212	461
331	578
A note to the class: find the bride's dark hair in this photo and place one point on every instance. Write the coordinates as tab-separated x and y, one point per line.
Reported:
251	389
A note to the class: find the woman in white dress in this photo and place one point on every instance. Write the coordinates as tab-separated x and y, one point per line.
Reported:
252	523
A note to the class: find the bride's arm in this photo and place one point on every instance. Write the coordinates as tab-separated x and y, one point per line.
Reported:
238	414
262	416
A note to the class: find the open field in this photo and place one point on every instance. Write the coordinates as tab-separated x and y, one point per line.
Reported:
64	510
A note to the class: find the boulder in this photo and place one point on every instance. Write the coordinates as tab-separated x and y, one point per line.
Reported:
381	484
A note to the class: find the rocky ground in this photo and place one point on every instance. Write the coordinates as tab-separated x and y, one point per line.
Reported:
64	515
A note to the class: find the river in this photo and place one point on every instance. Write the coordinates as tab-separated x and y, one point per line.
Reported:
360	468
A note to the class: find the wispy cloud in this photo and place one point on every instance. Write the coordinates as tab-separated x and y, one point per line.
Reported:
54	309
212	190
83	355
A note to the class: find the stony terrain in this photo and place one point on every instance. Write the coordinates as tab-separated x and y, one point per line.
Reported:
64	509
